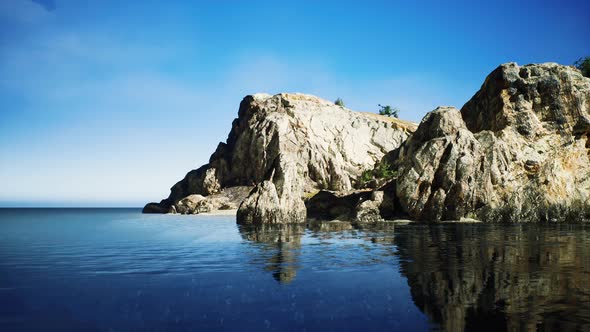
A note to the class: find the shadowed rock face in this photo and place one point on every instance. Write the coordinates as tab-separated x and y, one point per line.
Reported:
489	278
285	146
359	206
517	151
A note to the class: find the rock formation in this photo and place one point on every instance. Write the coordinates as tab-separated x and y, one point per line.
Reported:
286	147
517	151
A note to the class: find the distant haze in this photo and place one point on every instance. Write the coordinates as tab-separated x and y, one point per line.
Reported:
109	103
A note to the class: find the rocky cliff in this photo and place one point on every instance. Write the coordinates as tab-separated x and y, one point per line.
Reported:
286	147
517	151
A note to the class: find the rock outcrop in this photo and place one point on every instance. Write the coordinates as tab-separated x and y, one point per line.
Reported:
287	147
517	151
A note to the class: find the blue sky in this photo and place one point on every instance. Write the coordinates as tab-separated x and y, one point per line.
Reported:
109	103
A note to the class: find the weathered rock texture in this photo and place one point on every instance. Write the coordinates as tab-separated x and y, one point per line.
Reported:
288	146
517	151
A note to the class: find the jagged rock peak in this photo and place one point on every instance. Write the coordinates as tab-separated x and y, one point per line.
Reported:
517	151
530	99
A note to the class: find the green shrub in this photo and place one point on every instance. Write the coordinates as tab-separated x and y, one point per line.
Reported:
383	170
367	176
339	102
388	111
583	64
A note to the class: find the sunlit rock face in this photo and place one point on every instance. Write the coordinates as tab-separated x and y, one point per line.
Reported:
519	150
285	147
490	278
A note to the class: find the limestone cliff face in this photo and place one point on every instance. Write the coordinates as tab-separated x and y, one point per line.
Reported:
517	151
285	146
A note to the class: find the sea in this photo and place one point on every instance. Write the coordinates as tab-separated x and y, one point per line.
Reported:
121	270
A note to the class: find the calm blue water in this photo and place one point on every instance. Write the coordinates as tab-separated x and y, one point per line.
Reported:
119	270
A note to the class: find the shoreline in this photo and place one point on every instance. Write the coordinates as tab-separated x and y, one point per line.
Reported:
230	212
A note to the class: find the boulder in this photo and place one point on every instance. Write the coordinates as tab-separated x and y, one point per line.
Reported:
226	199
370	210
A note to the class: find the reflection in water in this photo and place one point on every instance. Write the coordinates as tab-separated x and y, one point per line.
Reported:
119	270
500	278
284	243
280	245
464	277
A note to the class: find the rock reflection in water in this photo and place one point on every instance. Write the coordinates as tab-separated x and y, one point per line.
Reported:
284	243
278	246
514	278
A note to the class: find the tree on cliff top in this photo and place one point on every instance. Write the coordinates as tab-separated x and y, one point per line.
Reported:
583	64
388	111
339	102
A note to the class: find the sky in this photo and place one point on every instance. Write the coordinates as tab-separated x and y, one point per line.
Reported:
109	103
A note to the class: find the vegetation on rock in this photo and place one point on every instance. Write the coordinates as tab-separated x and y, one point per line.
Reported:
388	111
382	171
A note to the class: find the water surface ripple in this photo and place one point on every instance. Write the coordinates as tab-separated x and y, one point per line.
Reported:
119	270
